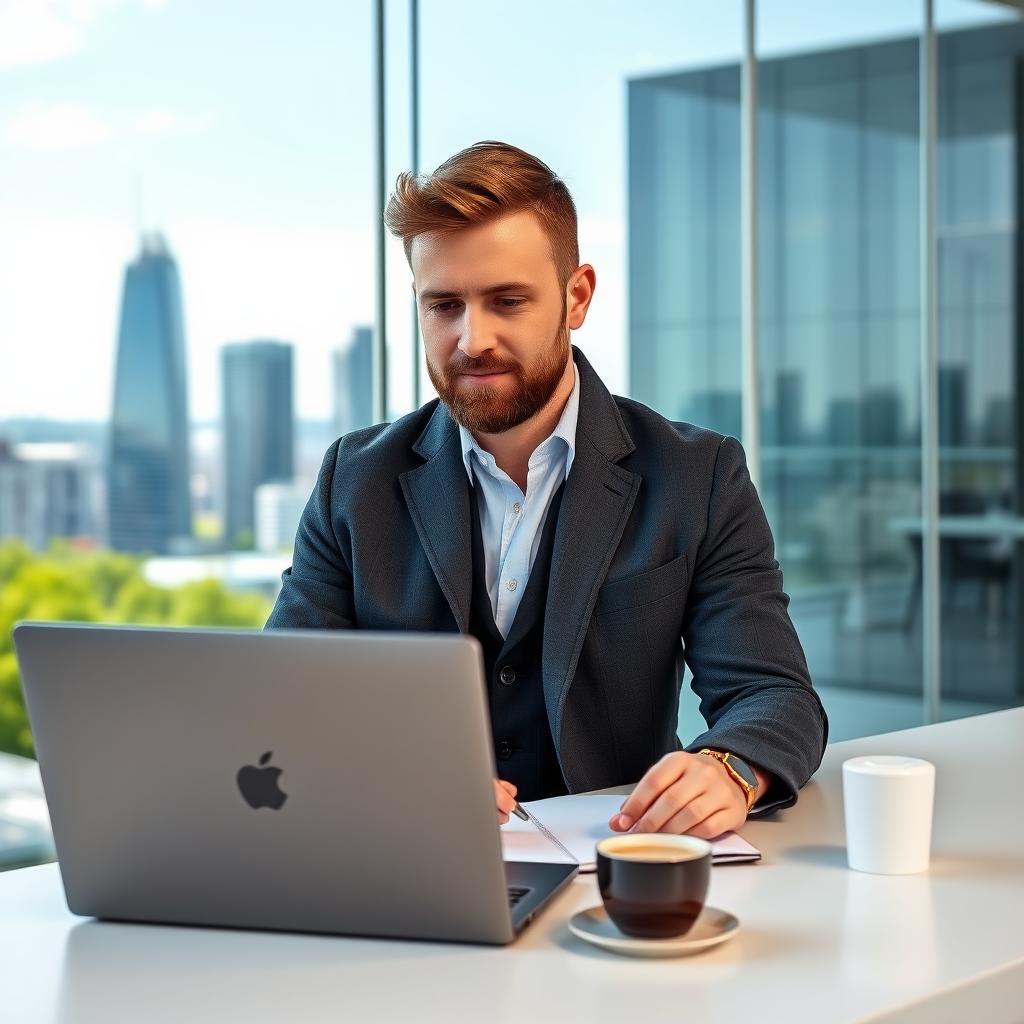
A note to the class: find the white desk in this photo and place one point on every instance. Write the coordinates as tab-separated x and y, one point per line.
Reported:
818	942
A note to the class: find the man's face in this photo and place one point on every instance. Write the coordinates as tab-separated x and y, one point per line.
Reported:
493	320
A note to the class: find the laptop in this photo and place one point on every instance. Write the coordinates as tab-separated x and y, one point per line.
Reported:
302	780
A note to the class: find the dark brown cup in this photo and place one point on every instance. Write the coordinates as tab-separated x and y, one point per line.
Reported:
653	885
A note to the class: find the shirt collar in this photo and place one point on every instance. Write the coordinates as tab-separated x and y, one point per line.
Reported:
565	429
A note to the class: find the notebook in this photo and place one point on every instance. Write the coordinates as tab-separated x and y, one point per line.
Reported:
579	822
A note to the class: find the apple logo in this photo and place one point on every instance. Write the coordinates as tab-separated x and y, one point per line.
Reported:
259	785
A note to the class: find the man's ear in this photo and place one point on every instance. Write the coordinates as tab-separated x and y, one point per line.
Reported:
579	292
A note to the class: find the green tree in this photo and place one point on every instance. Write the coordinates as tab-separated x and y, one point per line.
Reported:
69	585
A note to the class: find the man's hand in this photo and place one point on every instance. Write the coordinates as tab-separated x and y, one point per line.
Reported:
685	793
505	798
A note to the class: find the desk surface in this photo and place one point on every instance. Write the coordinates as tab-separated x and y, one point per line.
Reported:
817	943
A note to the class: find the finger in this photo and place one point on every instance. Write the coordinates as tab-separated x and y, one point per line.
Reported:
692	814
714	825
656	780
509	786
503	799
502	818
670	803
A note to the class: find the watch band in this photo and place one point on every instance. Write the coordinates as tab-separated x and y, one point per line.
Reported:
748	790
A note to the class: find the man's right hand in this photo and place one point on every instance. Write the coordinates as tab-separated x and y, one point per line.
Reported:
505	798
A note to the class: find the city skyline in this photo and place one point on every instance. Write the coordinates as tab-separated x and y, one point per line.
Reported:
264	180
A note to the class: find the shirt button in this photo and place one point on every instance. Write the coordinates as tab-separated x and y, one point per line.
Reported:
507	675
504	749
517	508
511	585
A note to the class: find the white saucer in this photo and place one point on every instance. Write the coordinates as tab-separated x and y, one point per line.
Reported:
712	927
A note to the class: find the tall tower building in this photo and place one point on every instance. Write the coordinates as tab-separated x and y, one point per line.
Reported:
353	382
148	481
258	428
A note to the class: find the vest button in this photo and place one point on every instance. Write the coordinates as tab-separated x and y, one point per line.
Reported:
507	675
504	750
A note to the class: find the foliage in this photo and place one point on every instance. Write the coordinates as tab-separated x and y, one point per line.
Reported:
66	585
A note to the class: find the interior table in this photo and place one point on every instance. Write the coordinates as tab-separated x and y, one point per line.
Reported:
817	942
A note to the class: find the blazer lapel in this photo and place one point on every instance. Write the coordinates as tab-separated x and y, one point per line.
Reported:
596	504
437	494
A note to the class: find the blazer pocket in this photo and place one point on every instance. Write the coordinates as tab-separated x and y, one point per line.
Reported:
643	588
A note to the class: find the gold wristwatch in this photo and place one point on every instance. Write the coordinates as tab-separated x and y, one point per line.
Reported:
739	770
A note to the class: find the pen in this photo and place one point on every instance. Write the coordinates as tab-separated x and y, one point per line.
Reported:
519	812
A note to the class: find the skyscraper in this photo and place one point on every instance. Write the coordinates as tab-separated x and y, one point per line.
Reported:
148	482
48	490
353	382
258	427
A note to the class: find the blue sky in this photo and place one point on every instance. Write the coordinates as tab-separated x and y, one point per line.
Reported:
246	129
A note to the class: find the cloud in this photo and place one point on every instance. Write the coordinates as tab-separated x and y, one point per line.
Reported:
167	122
38	31
60	126
31	33
74	125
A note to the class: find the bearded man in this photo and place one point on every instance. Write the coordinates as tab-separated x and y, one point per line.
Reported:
591	545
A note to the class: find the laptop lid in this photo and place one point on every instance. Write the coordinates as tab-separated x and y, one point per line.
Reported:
294	779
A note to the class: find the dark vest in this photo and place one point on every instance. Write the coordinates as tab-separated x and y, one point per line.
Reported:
523	747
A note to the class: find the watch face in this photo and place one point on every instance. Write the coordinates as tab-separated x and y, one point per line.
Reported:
744	770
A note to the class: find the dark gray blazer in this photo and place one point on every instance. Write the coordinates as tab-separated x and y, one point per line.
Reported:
661	538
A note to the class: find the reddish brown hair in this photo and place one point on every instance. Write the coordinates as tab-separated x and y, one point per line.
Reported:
485	181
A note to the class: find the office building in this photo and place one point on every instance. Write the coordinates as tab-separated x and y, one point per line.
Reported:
148	482
47	491
258	429
278	510
353	382
839	326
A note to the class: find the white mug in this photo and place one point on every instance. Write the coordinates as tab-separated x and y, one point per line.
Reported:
887	805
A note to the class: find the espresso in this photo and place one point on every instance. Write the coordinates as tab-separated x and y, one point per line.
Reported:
653	888
652	853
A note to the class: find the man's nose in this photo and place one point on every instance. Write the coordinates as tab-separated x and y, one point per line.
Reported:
478	335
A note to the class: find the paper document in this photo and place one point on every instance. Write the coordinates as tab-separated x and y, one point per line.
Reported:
579	822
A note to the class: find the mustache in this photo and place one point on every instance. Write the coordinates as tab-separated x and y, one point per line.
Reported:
460	363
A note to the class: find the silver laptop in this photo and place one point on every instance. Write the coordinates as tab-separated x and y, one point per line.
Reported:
295	779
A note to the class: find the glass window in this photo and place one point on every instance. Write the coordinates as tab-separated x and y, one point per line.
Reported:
980	56
177	181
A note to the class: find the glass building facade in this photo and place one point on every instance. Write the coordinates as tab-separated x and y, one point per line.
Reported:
148	476
258	429
839	335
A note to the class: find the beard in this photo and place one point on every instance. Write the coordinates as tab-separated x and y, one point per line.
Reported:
487	409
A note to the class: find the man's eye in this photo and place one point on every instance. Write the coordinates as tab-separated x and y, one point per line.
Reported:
443	307
506	302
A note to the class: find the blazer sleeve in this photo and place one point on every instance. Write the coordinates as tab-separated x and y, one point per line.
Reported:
748	667
316	590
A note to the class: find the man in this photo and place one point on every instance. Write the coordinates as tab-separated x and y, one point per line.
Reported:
588	543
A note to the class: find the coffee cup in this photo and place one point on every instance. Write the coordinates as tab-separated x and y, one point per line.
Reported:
653	885
887	810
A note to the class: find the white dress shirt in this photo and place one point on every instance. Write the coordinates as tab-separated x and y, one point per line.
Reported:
512	522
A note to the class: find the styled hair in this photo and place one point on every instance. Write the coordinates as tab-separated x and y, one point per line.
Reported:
481	183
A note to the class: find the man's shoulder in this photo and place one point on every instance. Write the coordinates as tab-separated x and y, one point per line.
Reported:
657	435
364	465
384	445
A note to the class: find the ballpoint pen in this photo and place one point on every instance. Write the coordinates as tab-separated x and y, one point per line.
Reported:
521	812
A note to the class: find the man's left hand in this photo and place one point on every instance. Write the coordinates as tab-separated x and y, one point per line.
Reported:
684	793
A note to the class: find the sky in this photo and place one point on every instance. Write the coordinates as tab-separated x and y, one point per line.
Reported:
243	132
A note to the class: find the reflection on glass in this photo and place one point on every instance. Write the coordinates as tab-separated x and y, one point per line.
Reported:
978	241
839	341
838	323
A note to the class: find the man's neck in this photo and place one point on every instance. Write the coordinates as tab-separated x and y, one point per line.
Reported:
512	448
